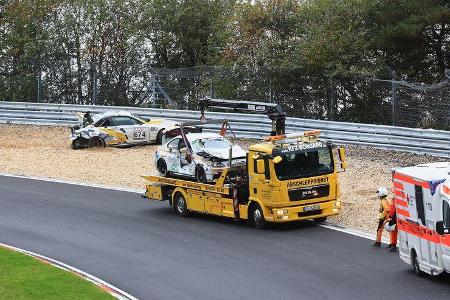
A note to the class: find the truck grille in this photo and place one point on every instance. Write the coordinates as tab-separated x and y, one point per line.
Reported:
312	192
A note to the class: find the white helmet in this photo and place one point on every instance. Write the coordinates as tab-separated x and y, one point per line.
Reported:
389	228
382	192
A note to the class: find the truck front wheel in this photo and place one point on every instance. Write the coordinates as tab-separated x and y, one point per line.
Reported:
257	217
179	205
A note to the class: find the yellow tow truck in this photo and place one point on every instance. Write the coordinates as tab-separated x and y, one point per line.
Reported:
287	177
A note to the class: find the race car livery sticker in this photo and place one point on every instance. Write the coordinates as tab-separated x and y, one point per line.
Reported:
139	133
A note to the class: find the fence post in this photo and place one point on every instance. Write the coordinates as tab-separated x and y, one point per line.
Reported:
94	82
212	92
39	85
393	97
332	105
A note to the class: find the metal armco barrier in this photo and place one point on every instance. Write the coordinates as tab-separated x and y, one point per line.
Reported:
421	141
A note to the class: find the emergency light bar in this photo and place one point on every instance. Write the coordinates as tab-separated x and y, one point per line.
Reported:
310	133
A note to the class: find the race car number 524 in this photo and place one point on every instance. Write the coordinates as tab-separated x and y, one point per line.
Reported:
139	133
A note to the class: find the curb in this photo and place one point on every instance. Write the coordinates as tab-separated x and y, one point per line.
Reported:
109	288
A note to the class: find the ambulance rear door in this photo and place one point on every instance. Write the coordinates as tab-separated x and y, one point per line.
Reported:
422	210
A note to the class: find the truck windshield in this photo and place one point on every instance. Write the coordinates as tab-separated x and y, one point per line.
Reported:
446	212
306	164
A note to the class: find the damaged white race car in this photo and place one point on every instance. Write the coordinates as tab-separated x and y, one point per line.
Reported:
210	154
117	128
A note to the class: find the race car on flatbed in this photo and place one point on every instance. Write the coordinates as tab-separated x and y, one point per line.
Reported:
210	153
118	128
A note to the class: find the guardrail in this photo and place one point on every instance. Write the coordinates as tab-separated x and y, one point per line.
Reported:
422	141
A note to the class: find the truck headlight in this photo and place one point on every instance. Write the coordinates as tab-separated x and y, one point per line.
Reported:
281	212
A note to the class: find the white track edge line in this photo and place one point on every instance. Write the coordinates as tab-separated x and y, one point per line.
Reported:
141	191
354	232
94	185
117	293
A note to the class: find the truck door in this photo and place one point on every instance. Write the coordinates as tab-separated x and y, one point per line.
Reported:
258	181
173	156
445	241
130	126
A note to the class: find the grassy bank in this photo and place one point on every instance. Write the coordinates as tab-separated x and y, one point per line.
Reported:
24	277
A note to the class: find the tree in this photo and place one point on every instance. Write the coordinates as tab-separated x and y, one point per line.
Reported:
413	37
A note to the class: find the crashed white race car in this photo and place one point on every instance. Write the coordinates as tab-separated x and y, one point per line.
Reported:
117	128
210	155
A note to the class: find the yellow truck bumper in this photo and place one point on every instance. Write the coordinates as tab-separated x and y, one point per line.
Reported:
303	212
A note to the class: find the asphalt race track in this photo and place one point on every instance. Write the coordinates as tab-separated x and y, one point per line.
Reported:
144	249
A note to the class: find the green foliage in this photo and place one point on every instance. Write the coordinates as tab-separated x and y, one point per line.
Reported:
23	277
300	53
413	37
187	33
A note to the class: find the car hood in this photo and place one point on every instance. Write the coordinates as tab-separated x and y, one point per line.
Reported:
238	152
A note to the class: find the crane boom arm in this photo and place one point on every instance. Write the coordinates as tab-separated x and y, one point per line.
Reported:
273	110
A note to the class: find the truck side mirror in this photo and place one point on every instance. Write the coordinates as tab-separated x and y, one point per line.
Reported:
440	227
277	159
342	158
260	167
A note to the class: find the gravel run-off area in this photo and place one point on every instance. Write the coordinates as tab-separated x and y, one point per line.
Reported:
45	151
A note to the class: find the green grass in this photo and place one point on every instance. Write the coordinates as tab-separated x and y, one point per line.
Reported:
24	277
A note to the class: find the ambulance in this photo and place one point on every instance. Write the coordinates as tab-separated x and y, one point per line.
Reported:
422	200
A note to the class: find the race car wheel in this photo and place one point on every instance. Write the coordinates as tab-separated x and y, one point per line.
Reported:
76	144
96	142
179	205
162	167
159	137
200	174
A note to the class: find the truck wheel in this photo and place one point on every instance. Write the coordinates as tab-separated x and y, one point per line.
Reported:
159	137
200	174
257	216
320	220
96	142
415	263
179	205
162	167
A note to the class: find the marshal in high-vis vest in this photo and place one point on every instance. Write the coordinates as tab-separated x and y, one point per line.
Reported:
422	199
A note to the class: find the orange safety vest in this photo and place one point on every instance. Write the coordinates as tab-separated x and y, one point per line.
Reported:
384	209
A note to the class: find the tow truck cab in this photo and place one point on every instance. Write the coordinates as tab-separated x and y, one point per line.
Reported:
294	178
